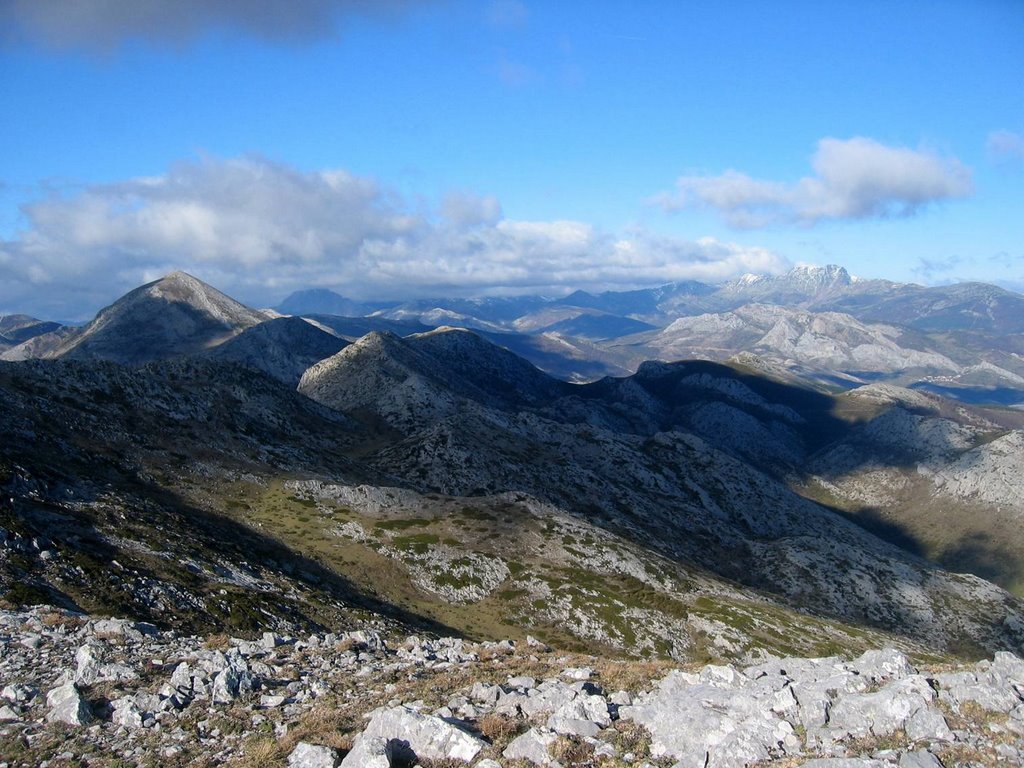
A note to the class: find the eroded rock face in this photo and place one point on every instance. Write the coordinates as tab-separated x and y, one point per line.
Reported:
193	703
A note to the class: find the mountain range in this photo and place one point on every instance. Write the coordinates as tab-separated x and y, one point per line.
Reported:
248	470
964	341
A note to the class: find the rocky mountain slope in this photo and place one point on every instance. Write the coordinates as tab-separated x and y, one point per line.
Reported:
667	457
829	346
176	315
277	479
941	476
656	514
17	329
282	348
228	500
108	691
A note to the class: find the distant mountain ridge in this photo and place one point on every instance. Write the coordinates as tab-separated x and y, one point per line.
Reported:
964	341
961	306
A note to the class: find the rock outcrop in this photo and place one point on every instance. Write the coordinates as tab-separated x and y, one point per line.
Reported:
361	701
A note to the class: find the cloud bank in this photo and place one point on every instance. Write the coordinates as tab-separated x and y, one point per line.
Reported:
260	229
102	26
856	178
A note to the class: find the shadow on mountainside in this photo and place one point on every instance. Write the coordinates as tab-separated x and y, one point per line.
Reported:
616	454
120	541
982	554
146	553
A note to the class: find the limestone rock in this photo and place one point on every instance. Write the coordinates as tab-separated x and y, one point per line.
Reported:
425	736
533	746
306	755
67	706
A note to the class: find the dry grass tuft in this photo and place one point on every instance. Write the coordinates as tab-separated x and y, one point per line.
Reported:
219	642
324	725
500	729
571	750
626	675
262	753
631	737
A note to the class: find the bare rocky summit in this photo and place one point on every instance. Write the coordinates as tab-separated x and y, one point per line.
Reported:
176	315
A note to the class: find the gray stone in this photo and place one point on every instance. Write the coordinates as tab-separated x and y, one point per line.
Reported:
880	713
882	665
88	663
532	746
621	698
225	686
844	762
919	759
67	706
368	752
91	669
487	694
928	724
32	641
572	726
1008	667
1009	753
427	737
8	715
549	697
306	755
578	673
19	693
985	690
127	714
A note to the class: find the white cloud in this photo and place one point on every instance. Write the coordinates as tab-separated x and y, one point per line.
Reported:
102	26
466	210
259	229
856	178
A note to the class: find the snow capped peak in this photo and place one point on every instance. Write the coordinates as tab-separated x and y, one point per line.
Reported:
831	273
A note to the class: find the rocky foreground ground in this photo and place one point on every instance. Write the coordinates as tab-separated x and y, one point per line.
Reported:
80	691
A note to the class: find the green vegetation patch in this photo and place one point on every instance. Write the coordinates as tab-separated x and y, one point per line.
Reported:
420	543
401	524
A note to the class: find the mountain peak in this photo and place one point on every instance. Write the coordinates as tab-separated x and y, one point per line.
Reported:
176	315
830	274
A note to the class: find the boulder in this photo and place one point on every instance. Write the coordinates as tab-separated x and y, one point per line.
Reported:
67	706
720	718
417	736
532	746
306	755
368	752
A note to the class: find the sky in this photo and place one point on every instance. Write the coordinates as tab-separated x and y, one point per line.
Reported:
395	148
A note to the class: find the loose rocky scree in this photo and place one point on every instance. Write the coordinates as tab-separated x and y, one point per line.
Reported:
81	691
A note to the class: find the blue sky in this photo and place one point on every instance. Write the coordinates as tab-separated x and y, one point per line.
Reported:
424	148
